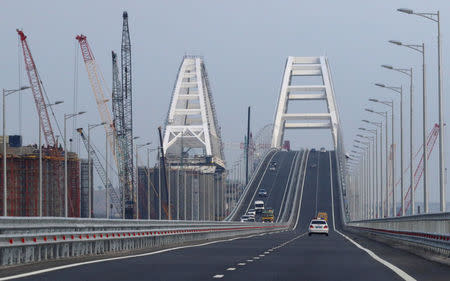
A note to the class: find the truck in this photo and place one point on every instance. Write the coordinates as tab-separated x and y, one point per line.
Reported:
322	215
259	206
267	215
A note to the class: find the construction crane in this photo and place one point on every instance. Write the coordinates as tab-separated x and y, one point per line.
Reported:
431	141
126	108
115	199
38	94
98	87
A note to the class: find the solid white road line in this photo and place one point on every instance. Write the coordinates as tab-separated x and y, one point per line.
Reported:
398	271
118	258
301	193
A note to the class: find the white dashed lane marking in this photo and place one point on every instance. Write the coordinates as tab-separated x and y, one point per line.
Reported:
218	276
242	263
231	268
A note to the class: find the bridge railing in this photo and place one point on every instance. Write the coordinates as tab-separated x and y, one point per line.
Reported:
429	232
265	160
25	240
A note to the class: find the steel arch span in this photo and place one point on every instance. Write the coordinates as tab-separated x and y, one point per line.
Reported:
290	91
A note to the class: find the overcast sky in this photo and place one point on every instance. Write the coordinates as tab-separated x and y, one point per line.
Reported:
245	45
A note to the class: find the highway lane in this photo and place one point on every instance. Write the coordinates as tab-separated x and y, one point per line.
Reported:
288	255
274	182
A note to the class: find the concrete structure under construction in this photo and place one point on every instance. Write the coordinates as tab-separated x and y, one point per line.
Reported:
84	188
193	195
23	181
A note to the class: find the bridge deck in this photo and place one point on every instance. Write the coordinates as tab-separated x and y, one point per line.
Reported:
290	255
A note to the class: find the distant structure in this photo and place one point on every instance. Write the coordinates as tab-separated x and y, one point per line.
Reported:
23	180
290	91
84	187
192	134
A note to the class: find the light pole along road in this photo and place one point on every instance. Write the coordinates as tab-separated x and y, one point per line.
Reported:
421	50
436	18
5	181
398	90
379	125
409	73
66	194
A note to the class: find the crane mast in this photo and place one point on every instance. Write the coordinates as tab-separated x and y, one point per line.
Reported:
36	88
127	113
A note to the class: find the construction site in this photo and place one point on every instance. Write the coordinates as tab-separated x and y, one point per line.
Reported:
23	180
187	182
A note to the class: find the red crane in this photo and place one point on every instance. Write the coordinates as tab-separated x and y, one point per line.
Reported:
36	88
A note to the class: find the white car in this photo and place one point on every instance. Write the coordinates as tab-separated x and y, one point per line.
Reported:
246	218
318	226
251	212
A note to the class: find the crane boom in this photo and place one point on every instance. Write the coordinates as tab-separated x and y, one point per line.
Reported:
115	199
36	88
98	87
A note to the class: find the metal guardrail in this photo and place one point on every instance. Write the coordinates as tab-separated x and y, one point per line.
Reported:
266	159
427	231
25	240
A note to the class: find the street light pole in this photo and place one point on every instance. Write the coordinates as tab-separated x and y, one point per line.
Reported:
138	146
380	208
5	181
385	115
398	90
90	191
436	18
67	116
421	50
40	159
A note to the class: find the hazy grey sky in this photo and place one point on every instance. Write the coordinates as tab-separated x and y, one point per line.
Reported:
245	44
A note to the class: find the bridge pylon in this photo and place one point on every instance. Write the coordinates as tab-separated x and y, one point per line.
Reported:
290	91
192	134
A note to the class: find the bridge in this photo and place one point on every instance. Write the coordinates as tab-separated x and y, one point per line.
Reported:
212	242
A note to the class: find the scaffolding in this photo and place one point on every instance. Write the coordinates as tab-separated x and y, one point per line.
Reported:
23	182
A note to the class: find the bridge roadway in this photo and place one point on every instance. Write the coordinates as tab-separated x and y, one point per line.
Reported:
288	255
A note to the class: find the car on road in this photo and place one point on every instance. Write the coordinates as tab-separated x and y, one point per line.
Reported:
273	166
262	193
247	218
259	206
318	226
322	149
313	165
251	212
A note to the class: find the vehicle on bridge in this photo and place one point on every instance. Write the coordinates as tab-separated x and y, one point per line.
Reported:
259	206
322	149
273	166
251	212
318	226
267	215
322	215
262	193
247	218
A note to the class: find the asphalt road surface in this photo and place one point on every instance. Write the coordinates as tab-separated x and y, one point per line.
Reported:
289	255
